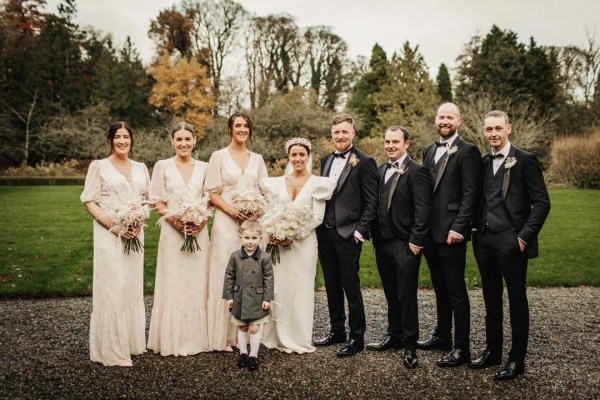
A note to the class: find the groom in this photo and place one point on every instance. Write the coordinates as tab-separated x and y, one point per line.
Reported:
345	226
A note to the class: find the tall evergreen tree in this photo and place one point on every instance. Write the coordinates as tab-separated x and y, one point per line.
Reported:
368	85
409	97
500	65
443	83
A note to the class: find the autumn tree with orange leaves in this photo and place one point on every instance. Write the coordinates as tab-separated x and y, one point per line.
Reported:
183	91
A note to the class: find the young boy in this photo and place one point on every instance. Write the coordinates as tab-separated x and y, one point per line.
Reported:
248	289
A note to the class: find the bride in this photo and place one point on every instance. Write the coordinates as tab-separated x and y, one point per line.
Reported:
290	329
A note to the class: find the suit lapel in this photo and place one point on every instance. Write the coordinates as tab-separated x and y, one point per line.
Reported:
446	157
428	162
397	177
506	179
327	166
345	171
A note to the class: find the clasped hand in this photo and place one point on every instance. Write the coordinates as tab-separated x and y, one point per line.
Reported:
189	229
277	242
132	231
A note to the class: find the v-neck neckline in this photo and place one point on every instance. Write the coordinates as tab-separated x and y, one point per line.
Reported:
181	176
120	173
299	192
243	171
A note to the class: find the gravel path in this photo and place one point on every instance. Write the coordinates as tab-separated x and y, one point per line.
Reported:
44	354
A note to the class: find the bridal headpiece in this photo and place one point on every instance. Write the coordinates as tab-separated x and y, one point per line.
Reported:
295	141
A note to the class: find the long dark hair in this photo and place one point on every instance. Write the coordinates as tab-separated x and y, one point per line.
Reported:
112	131
246	118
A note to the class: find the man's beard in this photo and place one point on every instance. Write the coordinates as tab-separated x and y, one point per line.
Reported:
451	131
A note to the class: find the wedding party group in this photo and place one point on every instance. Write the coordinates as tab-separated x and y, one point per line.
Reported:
252	282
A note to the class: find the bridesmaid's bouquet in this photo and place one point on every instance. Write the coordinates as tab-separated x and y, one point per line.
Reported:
191	210
128	211
249	201
285	222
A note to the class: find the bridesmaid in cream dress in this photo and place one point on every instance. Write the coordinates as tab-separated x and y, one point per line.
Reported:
292	310
117	327
178	322
228	169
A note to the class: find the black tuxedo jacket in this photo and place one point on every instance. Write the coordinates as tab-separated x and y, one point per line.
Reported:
409	203
524	196
355	196
456	189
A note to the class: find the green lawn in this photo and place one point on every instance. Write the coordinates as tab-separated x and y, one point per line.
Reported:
46	244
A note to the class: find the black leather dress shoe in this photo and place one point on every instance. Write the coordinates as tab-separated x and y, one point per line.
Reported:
252	363
410	359
242	361
386	343
331	338
435	342
350	348
485	360
455	358
510	371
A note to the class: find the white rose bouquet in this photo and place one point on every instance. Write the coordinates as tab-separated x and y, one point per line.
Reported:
284	222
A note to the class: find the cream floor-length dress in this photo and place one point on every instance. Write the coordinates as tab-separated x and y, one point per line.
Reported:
117	327
291	323
178	322
224	176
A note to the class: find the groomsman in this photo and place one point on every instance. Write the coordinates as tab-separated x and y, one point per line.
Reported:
399	235
514	206
348	215
455	168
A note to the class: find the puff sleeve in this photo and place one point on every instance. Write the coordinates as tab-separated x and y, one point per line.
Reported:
157	183
92	189
214	181
322	191
270	187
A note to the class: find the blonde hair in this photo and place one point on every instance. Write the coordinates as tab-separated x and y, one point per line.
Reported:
338	119
251	225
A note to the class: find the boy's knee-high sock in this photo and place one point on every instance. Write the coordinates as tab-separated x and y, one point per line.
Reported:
242	338
255	342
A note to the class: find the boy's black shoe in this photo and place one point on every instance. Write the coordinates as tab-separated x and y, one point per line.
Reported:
252	363
242	361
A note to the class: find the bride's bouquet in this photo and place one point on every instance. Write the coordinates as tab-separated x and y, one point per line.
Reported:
128	211
191	210
249	201
285	221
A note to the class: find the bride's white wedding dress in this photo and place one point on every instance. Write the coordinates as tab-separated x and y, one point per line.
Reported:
291	323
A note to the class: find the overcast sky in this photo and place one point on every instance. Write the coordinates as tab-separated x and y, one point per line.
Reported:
439	27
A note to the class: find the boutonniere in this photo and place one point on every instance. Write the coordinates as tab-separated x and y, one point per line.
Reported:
401	169
352	161
509	163
452	150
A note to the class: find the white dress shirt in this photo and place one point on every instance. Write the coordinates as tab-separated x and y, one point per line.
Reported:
338	164
391	171
441	150
497	162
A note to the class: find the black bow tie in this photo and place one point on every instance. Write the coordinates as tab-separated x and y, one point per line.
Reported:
390	165
497	155
441	144
342	155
